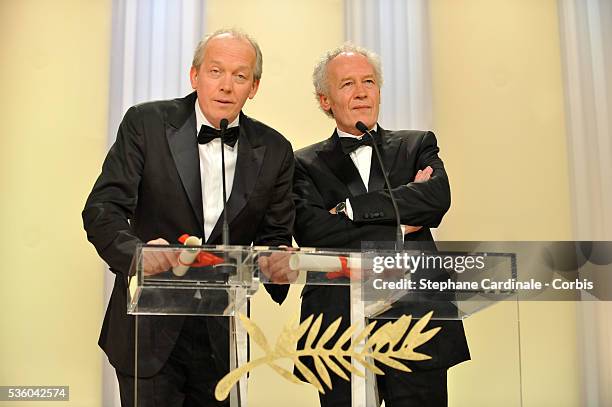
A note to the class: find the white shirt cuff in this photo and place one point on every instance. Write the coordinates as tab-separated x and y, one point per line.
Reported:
349	209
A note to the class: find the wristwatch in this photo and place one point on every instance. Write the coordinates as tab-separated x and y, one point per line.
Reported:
341	208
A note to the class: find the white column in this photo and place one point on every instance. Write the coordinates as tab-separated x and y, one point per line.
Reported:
397	30
586	30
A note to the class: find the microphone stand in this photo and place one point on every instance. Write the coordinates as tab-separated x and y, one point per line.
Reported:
225	231
228	268
399	236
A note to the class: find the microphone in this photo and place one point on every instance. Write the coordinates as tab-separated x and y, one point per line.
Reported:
225	231
226	268
399	236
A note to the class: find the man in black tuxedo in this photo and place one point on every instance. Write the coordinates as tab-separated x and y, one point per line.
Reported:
341	201
161	179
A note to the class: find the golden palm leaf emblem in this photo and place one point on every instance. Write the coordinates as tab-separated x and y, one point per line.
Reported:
382	346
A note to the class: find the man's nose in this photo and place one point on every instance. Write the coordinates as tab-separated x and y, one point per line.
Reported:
360	91
226	84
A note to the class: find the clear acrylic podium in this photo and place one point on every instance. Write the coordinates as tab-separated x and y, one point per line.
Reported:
219	280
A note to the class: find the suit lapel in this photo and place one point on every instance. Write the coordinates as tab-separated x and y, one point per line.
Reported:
181	136
388	150
342	166
377	180
248	165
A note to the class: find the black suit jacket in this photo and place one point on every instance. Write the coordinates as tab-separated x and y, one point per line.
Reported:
325	176
150	187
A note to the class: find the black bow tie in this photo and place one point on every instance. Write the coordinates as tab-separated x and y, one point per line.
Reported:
208	134
350	144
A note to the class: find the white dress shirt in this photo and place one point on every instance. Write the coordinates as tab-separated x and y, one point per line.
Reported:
210	173
362	158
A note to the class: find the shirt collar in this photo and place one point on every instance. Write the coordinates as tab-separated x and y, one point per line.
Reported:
344	134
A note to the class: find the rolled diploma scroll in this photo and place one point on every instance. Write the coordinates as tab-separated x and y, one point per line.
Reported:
187	257
323	263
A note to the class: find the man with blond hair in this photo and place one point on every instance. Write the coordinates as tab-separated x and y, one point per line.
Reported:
341	201
161	179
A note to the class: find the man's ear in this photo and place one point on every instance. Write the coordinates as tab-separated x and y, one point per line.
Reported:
193	77
254	89
324	102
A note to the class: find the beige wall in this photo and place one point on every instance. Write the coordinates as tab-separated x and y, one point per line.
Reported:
498	113
54	79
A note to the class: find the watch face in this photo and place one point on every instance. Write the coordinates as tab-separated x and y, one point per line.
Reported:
340	207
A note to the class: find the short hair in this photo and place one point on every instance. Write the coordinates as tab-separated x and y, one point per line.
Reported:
198	55
319	75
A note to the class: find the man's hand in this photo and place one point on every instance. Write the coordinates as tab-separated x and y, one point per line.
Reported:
276	267
410	229
156	262
421	176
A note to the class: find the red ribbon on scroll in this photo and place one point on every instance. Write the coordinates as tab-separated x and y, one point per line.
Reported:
204	258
